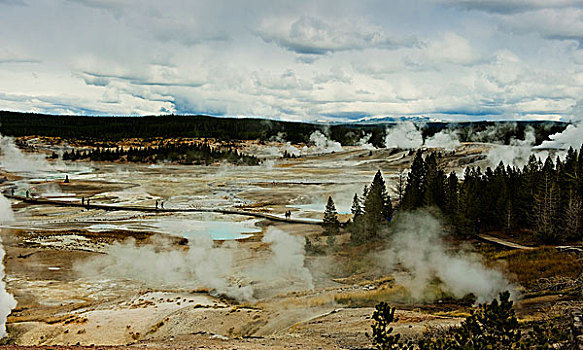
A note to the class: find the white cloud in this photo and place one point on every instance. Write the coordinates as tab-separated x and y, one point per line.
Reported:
511	6
452	48
294	61
313	36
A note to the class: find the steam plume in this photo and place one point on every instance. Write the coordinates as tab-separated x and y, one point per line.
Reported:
418	247
286	263
323	144
445	139
404	135
14	160
516	153
364	142
202	264
407	135
7	302
572	136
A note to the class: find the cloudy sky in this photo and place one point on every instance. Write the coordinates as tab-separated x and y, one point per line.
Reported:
294	60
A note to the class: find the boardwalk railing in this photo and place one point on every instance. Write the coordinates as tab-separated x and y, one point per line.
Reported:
109	207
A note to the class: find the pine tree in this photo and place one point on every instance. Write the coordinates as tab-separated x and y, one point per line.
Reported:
356	228
415	190
330	222
377	207
356	208
451	195
401	186
470	195
434	184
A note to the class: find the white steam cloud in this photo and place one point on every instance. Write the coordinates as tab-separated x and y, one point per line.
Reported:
14	160
404	135
322	144
417	246
407	135
201	264
364	142
445	139
516	153
572	136
286	263
7	301
292	150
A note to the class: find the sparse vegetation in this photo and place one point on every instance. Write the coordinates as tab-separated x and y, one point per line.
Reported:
177	152
539	267
491	326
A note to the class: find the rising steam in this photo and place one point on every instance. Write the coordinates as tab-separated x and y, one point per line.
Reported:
12	159
516	153
407	135
202	264
572	136
286	263
445	139
364	142
322	144
417	246
404	135
7	302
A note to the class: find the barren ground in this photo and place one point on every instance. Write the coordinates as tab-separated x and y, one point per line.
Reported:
59	307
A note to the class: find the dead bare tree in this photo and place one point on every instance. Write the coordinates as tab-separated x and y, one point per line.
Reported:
546	205
572	215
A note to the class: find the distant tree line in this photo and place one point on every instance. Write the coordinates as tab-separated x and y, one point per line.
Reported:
180	153
544	198
179	126
100	129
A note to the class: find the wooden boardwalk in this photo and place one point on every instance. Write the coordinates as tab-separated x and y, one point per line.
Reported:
46	201
503	242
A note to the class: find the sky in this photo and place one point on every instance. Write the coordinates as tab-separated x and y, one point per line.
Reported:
296	60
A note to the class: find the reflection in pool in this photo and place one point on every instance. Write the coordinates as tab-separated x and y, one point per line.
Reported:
218	230
188	228
223	230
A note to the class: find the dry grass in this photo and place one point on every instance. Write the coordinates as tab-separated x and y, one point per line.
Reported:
528	267
369	298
